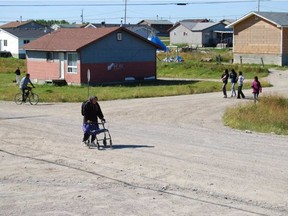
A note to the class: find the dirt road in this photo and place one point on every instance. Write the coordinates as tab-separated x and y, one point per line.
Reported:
171	156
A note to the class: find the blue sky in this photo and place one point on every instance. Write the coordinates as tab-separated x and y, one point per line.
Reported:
96	11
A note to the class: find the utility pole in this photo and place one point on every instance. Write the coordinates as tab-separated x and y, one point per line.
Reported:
82	18
258	5
125	11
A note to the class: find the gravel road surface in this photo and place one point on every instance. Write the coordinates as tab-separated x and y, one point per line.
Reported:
170	156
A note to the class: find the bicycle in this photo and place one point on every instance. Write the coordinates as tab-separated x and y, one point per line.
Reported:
33	98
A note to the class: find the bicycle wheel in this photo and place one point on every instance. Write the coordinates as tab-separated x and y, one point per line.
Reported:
33	99
18	98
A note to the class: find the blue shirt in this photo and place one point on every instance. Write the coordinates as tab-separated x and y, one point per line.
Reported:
24	82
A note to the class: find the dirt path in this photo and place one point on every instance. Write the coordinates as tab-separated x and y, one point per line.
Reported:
171	156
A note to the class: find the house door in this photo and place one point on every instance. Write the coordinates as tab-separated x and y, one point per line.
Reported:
61	65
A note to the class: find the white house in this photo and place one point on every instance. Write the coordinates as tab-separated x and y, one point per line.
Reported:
8	43
16	34
200	34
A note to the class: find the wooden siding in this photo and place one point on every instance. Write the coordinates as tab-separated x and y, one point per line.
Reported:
285	41
182	35
255	35
117	72
109	49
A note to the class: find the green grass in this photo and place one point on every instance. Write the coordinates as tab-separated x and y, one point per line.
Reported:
159	88
269	115
9	65
191	68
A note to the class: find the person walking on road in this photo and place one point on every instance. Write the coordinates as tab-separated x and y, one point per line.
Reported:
91	111
233	78
240	85
256	87
224	79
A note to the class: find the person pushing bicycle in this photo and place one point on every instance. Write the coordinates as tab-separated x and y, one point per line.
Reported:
24	85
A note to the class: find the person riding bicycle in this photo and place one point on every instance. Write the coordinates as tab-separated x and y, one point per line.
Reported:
91	113
24	85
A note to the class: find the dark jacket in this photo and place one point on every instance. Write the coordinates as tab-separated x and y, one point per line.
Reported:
224	77
92	112
233	77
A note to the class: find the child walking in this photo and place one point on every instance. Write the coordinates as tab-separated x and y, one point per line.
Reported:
256	87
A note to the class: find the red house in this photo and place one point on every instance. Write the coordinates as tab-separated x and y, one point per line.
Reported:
111	54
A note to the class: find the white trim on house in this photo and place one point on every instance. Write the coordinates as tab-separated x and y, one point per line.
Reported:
256	14
73	68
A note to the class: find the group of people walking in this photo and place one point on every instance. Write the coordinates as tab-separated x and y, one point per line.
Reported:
239	79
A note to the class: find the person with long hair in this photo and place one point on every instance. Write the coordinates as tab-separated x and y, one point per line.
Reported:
224	78
256	87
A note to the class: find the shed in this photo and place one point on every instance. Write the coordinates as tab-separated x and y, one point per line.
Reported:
261	37
112	54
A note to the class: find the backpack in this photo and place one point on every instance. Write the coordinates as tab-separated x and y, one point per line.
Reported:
83	107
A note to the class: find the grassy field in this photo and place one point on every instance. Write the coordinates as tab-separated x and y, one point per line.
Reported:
191	68
160	88
269	115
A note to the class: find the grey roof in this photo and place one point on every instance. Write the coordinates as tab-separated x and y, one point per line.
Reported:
198	26
280	19
70	25
28	33
276	17
188	25
158	22
202	26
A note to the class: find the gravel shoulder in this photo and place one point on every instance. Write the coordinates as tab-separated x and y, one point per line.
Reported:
170	156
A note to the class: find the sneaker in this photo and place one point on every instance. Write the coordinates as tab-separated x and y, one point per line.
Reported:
93	143
85	142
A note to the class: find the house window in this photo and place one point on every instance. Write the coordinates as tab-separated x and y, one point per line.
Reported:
5	43
26	41
49	56
119	36
72	62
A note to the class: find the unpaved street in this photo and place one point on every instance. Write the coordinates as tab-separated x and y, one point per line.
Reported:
170	156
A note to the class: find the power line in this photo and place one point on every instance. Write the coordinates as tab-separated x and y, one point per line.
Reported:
117	4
